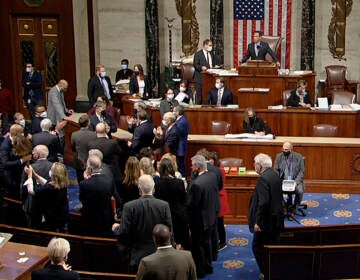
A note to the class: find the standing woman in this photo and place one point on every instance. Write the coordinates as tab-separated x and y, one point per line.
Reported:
51	196
139	83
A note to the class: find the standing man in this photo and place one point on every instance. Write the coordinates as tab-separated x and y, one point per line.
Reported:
166	263
99	85
57	110
32	84
266	210
220	95
183	129
167	134
203	206
138	219
258	49
203	60
124	73
289	165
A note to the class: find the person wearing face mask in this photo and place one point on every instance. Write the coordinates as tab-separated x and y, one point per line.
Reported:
266	218
140	84
290	166
102	116
32	84
168	103
99	85
220	95
204	59
300	97
184	94
254	124
20	119
124	73
40	114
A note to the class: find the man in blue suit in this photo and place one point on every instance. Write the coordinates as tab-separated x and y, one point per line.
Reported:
183	129
257	50
32	84
219	95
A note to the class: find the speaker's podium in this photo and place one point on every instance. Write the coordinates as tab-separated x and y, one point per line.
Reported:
258	67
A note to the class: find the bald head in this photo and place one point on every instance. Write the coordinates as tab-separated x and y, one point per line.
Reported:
100	129
169	117
41	150
63	84
161	235
146	184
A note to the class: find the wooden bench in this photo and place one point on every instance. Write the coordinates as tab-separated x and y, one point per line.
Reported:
91	275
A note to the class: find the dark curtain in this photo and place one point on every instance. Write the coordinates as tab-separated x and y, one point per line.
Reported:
152	43
217	29
308	35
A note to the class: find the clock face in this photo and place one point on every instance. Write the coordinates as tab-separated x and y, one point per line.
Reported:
34	3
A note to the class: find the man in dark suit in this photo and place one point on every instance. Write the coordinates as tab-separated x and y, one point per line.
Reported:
96	190
99	85
138	219
220	95
102	116
40	114
257	50
266	210
183	129
45	137
80	140
166	135
32	84
143	134
166	263
203	206
111	150
203	60
124	73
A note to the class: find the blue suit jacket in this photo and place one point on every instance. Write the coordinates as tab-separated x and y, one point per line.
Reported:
143	136
33	90
183	129
262	51
172	139
94	120
227	97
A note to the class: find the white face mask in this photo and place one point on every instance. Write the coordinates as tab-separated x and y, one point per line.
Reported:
182	89
103	74
28	69
43	114
22	122
218	85
170	96
164	123
209	49
50	173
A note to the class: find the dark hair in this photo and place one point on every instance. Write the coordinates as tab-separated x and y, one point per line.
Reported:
166	168
215	157
146	152
203	152
222	80
184	81
259	32
206	42
125	60
141	71
84	120
180	109
161	235
142	115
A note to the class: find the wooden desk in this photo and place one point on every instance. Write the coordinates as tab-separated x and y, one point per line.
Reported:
9	255
275	83
289	122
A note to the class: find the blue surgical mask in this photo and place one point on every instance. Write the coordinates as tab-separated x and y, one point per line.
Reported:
124	66
103	74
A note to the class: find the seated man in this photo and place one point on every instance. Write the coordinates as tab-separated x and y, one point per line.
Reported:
290	166
253	124
300	97
220	95
258	49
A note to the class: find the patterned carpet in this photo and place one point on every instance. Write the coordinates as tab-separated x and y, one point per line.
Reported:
236	261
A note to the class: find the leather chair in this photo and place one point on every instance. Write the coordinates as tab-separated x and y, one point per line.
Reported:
325	130
274	43
220	127
286	95
231	162
335	80
342	97
187	71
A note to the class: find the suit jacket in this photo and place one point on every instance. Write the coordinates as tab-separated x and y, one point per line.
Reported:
33	90
123	74
183	129
294	99
96	88
227	97
35	124
97	215
134	87
79	143
137	222
143	136
167	264
165	106
49	140
56	110
262	51
296	165
54	272
94	120
266	208
172	139
203	203
199	61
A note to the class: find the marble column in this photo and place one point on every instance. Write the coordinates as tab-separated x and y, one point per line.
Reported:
217	29
308	35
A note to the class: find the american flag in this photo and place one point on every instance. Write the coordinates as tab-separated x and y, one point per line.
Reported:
271	17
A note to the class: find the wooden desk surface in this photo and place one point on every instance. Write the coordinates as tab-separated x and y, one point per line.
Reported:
9	255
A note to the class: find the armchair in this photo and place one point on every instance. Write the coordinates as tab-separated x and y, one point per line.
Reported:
220	127
325	130
274	43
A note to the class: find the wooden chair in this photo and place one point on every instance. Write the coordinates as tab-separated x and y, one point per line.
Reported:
286	95
336	81
220	127
187	71
325	130
274	43
342	97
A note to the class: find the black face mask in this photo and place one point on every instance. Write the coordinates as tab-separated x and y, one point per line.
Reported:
136	73
103	113
135	112
286	153
195	174
252	119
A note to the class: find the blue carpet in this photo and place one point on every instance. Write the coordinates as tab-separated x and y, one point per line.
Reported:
237	261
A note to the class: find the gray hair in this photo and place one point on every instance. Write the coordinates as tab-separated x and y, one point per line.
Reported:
45	124
170	116
58	249
199	161
264	160
141	104
94	163
97	153
146	184
42	150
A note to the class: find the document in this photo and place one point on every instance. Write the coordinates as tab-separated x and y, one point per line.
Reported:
4	237
249	136
323	103
180	97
